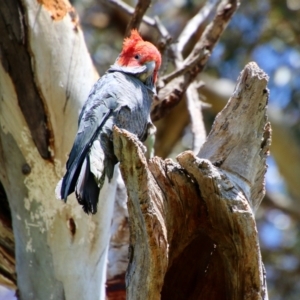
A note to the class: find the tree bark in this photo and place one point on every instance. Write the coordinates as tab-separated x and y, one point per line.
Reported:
283	137
45	76
192	226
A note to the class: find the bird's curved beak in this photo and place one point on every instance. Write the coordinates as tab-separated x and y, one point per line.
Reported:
149	80
150	65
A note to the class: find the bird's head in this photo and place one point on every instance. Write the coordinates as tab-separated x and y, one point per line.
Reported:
139	53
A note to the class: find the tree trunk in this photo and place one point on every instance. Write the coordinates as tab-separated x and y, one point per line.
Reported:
45	75
192	228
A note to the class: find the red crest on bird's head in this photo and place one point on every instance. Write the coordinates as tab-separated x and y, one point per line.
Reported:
137	52
130	42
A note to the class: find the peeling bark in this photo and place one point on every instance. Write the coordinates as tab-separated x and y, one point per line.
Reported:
16	60
192	226
8	276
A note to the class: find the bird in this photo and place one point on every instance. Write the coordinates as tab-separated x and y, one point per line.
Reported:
121	97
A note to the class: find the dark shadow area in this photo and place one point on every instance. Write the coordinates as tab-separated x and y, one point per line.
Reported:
196	273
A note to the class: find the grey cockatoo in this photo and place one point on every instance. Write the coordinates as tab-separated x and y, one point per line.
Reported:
121	97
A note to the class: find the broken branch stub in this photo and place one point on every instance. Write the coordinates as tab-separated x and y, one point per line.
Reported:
193	232
148	238
240	137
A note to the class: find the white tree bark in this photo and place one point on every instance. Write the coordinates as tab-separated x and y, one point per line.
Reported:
61	253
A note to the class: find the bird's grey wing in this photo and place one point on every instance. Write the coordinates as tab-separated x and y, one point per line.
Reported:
94	115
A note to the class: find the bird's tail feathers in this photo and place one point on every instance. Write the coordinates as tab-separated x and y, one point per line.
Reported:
58	190
82	178
91	178
97	160
86	189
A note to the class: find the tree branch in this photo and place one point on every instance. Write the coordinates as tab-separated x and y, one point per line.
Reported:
194	24
137	17
129	10
193	103
170	94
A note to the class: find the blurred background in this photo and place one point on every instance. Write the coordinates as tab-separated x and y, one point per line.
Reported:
264	31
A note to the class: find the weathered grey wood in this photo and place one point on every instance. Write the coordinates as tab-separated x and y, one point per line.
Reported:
240	137
232	228
283	138
148	240
193	231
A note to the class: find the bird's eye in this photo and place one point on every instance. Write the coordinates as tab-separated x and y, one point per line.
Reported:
137	56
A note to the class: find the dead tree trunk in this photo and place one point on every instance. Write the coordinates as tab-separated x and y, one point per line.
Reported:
193	232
